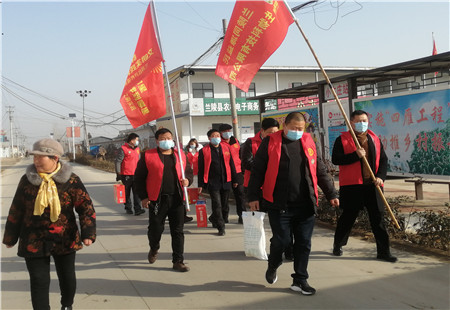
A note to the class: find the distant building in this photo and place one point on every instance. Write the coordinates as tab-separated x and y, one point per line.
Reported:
202	101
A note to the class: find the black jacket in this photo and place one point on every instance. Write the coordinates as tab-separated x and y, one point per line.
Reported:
247	157
340	158
280	193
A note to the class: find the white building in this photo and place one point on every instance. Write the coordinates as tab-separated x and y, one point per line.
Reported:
202	101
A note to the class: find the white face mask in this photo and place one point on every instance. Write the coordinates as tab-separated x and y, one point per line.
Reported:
227	134
166	144
361	126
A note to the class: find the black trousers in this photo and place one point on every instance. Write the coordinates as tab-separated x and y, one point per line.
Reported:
239	195
283	225
354	198
128	181
220	207
171	206
39	271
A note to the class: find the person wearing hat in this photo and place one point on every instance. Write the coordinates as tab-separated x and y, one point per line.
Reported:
42	219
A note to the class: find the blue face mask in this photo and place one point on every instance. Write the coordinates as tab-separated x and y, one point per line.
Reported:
294	135
227	134
361	126
215	141
136	143
166	144
192	146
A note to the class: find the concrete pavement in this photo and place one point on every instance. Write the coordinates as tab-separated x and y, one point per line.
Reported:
114	273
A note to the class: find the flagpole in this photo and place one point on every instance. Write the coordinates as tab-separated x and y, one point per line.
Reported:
171	103
347	122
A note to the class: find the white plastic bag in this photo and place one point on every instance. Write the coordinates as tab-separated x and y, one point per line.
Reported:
254	235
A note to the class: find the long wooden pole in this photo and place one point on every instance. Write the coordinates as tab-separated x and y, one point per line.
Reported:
171	106
338	101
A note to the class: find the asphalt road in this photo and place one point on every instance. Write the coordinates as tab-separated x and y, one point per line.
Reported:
114	273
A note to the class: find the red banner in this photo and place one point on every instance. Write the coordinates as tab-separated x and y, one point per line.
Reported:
255	31
143	97
69	132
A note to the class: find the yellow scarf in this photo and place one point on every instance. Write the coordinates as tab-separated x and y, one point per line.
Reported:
48	196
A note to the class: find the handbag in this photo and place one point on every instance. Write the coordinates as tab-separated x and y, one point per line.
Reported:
200	209
119	193
254	234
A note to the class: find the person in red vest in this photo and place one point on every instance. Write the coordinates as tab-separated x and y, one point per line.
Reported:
248	150
357	190
159	184
226	133
126	162
192	158
288	168
192	154
217	174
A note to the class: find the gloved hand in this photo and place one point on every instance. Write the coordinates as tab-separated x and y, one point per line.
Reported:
118	177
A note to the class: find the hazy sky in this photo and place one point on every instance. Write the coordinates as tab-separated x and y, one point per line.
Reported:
51	49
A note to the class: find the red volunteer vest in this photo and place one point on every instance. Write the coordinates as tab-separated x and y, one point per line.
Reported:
234	149
207	160
129	162
193	161
352	174
256	142
155	169
274	152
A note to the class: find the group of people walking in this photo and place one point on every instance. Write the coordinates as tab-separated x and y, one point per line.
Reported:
278	171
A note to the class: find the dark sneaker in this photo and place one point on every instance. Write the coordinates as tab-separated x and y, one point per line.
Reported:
152	255
221	232
337	251
180	267
139	212
387	258
188	219
240	221
271	275
303	287
129	211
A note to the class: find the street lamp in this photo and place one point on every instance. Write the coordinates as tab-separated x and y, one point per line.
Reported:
83	94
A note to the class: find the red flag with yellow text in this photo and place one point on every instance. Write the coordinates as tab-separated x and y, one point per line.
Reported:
143	97
255	31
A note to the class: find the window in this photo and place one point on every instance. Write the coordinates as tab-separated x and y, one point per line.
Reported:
203	90
251	92
296	84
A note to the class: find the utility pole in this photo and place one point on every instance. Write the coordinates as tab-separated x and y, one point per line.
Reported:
11	135
72	117
83	94
232	90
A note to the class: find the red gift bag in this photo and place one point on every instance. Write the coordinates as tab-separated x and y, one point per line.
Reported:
119	193
193	195
202	217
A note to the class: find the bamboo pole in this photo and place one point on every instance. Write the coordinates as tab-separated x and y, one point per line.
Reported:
347	122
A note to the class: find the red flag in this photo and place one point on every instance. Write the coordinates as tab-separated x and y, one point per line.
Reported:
255	31
434	53
434	48
143	98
